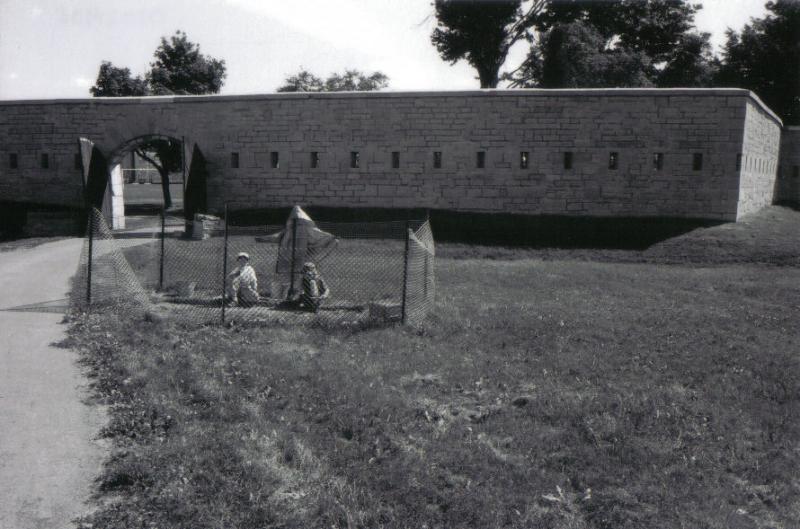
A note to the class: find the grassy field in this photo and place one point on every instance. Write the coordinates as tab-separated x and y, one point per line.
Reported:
580	389
152	194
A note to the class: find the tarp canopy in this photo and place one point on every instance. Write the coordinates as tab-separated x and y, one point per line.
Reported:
298	243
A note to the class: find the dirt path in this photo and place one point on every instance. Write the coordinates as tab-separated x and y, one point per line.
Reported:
48	455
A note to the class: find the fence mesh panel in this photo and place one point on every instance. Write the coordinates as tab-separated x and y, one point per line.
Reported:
420	284
375	272
105	278
191	283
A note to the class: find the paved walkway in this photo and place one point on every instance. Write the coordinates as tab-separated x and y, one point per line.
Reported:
48	454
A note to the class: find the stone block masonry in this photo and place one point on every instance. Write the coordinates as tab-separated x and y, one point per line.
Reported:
759	161
682	153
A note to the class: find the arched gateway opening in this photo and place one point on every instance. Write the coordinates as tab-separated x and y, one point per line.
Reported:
146	174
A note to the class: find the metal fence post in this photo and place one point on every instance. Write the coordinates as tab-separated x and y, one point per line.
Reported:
225	263
427	257
290	294
161	256
89	261
425	279
405	273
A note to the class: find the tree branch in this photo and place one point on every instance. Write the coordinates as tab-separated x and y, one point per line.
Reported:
520	27
158	166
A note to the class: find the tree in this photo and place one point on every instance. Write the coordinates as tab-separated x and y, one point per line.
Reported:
653	27
765	58
691	64
482	32
634	41
117	82
355	81
303	81
575	56
179	68
166	156
349	81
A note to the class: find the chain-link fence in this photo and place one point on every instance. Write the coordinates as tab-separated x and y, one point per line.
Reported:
299	272
105	278
420	286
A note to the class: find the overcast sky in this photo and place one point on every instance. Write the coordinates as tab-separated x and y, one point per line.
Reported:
53	48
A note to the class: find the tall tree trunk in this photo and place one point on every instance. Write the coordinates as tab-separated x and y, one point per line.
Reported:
165	187
488	76
164	177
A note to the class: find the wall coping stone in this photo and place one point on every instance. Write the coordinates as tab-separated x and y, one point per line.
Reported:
496	92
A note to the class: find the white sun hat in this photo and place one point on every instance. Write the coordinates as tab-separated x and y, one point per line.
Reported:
243	254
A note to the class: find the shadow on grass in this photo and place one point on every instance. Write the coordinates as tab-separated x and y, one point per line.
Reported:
504	229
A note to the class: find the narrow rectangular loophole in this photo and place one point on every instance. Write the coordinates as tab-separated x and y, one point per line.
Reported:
697	161
739	162
567	160
480	160
234	160
613	161
658	161
13	162
355	159
523	160
395	160
274	160
45	161
314	159
796	171
437	159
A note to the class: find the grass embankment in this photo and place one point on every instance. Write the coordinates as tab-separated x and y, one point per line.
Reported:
542	393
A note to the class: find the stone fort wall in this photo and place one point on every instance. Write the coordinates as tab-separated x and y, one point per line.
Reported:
685	153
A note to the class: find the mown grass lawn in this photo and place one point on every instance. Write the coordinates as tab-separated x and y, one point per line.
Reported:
548	389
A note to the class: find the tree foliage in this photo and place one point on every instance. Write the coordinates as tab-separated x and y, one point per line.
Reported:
575	56
482	32
690	64
619	43
627	43
180	68
652	27
117	82
303	81
349	81
765	58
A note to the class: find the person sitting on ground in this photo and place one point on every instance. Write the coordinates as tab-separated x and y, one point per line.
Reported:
242	288
314	289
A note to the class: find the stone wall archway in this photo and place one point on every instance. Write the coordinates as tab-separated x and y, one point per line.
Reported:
116	173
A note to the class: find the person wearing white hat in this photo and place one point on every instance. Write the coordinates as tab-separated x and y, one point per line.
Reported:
242	288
